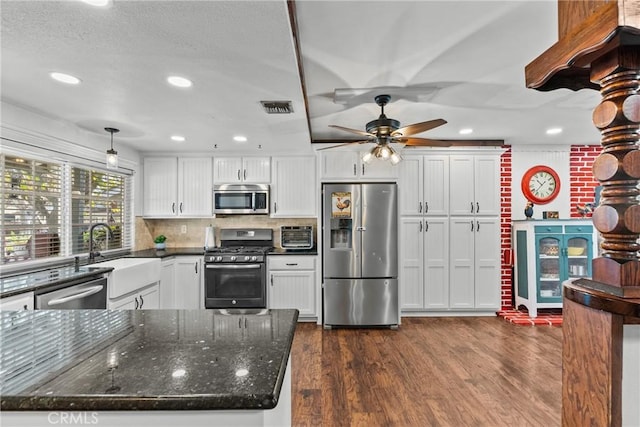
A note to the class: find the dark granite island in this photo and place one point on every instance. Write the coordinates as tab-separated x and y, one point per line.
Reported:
146	367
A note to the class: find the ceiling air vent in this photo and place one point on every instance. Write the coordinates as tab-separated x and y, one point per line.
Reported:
277	107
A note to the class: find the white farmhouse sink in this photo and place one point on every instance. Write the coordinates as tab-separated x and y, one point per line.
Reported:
130	274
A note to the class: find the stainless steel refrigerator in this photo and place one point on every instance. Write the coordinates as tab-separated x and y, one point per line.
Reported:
360	255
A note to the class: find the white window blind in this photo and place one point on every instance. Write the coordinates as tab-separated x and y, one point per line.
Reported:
47	209
98	197
30	208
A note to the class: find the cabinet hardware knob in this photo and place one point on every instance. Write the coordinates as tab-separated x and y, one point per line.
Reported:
477	207
275	207
271	280
292	263
363	170
354	170
238	174
420	226
245	174
173	207
180	207
141	301
196	265
471	207
426	225
420	207
477	225
472	224
426	207
136	300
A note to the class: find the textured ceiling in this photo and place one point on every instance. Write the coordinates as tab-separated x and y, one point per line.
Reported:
461	61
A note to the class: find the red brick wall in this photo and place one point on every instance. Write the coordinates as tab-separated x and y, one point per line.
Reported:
581	181
505	229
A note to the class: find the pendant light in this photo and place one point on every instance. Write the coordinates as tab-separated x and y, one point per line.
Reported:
112	155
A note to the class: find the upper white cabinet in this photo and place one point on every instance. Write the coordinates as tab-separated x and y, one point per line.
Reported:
233	170
293	189
474	184
424	185
347	165
177	187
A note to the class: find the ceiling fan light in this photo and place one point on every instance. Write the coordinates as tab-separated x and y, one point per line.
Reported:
368	156
395	158
385	152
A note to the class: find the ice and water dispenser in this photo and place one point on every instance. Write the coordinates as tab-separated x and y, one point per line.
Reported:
341	233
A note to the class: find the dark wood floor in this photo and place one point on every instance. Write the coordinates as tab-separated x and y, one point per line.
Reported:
462	371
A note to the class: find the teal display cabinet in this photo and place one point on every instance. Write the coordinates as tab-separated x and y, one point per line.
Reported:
547	253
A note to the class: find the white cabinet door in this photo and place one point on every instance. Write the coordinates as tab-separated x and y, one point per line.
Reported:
227	170
195	187
411	264
233	170
487	263
188	286
293	189
436	262
292	283
293	289
146	298
410	186
17	302
461	192
339	164
378	169
167	284
436	186
160	186
461	284
256	170
487	185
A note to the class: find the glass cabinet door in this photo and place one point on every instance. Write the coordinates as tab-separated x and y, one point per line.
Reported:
578	256
548	250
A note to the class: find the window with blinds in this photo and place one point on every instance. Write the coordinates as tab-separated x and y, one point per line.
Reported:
47	209
30	208
97	197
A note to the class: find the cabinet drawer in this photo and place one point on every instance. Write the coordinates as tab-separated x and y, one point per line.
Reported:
288	262
548	229
578	229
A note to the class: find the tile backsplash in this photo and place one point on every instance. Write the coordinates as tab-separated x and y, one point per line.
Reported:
147	229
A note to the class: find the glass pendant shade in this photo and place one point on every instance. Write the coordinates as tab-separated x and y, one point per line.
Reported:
112	155
382	151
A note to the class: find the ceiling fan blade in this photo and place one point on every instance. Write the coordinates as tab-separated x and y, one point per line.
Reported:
356	131
342	145
423	142
418	127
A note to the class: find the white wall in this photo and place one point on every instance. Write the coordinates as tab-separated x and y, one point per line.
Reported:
524	157
33	129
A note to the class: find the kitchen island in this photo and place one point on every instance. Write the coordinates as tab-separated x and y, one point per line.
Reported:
147	367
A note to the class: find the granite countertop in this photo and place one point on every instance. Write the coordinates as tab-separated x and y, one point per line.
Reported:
144	359
165	253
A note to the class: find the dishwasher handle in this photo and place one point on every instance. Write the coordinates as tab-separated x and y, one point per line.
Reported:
85	293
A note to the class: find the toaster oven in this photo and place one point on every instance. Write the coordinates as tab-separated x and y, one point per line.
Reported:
296	237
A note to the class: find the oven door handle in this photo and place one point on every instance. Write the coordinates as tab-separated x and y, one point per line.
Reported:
233	266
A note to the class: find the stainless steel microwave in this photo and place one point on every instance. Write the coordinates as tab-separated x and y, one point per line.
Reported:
241	199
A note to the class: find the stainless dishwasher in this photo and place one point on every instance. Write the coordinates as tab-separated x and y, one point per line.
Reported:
91	294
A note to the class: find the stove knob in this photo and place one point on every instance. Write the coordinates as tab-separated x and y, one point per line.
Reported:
247	258
233	257
219	258
234	302
254	258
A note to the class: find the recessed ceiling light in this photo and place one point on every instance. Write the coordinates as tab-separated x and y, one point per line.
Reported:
179	81
465	131
65	78
178	138
240	138
554	131
98	3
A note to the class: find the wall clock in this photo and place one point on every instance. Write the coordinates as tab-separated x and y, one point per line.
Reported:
540	184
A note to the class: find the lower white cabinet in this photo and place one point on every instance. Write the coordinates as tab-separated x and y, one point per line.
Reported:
17	302
475	263
188	282
142	299
167	284
292	283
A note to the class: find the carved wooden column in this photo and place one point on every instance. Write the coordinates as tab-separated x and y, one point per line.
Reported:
599	48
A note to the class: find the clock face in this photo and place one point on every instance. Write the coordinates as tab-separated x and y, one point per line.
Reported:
540	184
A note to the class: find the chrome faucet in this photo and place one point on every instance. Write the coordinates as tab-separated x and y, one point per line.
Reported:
93	254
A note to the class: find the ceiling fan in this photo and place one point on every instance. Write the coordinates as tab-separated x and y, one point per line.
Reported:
384	131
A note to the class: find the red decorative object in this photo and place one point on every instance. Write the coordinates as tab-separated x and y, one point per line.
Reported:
540	184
